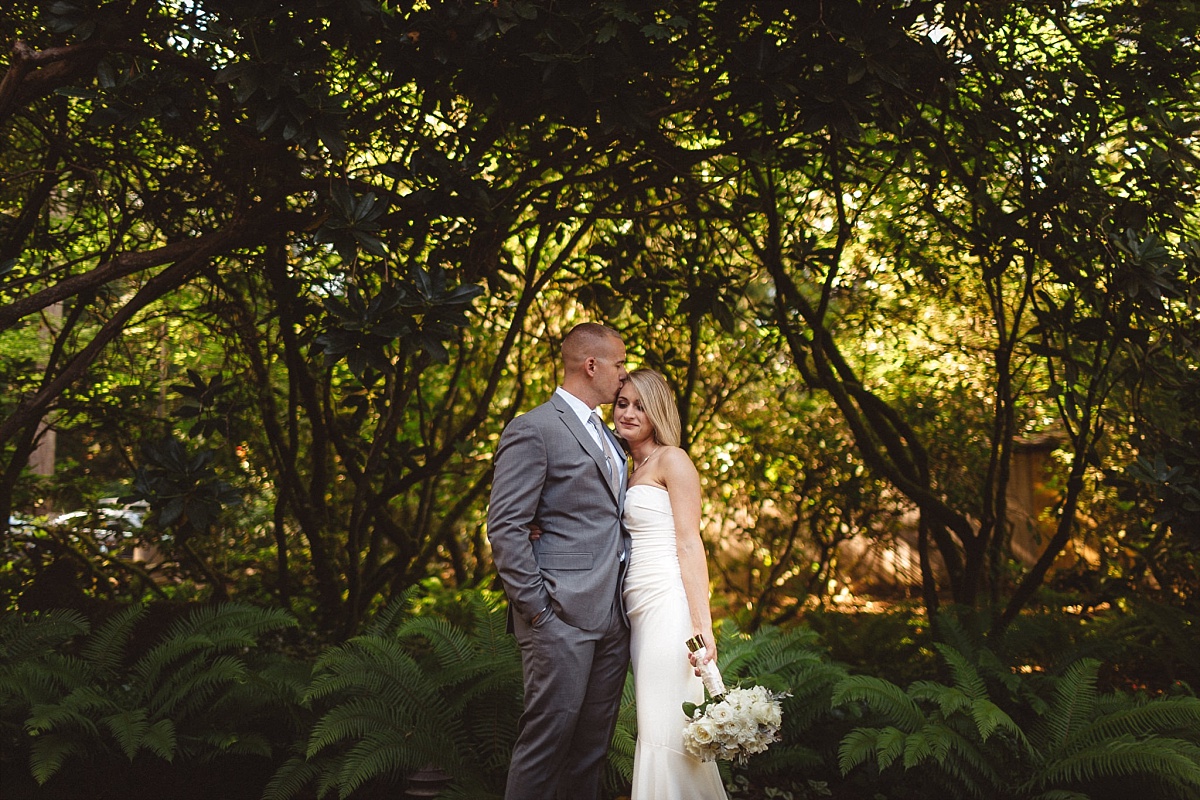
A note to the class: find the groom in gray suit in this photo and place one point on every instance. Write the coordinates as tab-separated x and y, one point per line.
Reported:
558	468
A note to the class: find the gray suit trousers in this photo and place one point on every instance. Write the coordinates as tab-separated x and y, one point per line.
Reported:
573	683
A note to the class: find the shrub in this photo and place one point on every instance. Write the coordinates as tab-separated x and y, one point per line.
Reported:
205	691
994	732
411	692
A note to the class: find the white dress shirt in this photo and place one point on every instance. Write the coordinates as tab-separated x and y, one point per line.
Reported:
584	413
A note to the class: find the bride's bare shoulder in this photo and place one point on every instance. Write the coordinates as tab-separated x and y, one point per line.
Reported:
676	462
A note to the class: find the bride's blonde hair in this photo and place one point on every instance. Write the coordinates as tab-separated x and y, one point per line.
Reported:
658	401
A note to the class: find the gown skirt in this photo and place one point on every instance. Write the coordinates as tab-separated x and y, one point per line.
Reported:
660	626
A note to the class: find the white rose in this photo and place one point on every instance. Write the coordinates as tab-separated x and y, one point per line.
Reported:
702	731
720	713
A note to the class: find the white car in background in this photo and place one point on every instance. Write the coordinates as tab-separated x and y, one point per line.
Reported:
114	526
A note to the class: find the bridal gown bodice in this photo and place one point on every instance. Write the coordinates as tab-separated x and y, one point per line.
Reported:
660	626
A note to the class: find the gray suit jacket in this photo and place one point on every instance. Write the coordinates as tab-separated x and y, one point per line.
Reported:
550	471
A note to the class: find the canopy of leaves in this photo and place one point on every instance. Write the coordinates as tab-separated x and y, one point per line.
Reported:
284	272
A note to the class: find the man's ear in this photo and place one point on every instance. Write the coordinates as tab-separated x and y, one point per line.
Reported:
589	365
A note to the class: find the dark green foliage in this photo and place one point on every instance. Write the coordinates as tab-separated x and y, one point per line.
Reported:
624	741
435	682
792	660
893	643
1152	645
32	671
202	693
421	313
183	489
987	734
310	202
208	403
412	691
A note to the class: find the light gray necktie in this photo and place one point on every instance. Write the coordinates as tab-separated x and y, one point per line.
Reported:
610	460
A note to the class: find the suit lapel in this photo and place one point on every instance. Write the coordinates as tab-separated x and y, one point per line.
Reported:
580	432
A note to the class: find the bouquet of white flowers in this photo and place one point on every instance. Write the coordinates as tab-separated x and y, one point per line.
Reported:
734	726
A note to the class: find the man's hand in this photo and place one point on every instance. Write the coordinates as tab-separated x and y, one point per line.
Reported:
535	532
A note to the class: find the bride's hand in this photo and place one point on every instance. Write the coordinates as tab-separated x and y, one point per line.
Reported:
710	653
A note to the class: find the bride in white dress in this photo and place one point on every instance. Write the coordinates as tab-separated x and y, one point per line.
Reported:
666	591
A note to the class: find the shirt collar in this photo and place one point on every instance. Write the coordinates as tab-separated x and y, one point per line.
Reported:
578	406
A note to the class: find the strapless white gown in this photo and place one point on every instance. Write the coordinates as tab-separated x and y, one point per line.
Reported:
660	626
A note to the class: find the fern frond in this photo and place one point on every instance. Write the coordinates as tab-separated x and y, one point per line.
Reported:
213	745
989	718
624	738
133	733
292	777
208	631
449	643
788	759
950	700
356	719
160	739
811	687
857	747
105	649
44	680
233	624
378	755
377	668
494	639
966	677
78	709
884	745
327	782
1074	700
883	697
1172	761
155	667
918	747
973	767
769	651
25	637
128	727
1176	715
47	754
889	745
193	686
389	618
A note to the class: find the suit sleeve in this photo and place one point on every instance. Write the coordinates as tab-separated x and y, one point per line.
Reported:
520	472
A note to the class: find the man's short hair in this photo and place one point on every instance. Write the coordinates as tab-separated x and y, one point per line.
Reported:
585	340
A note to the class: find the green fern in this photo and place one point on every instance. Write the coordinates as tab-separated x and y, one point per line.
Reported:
26	637
887	699
624	741
940	731
1074	699
295	775
34	667
961	736
412	690
105	649
1086	738
191	695
787	660
49	752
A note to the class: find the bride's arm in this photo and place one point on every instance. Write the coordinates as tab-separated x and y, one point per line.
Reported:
683	487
